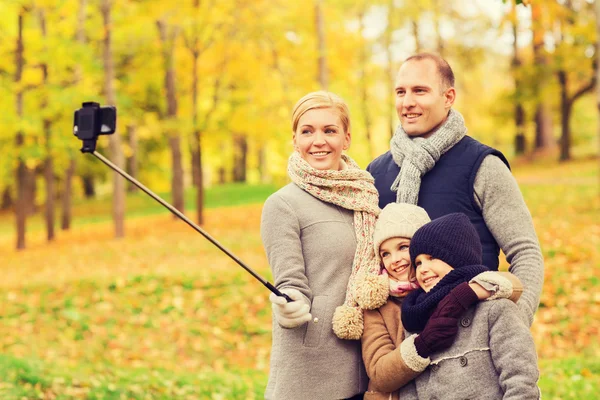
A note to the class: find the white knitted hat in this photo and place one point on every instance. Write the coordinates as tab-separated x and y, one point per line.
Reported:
398	220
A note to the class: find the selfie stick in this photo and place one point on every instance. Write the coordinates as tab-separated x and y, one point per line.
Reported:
178	213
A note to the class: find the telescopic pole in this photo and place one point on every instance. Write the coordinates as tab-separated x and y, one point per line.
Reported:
189	222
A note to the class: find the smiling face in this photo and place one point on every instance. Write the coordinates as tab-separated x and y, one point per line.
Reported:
422	102
396	258
320	138
430	271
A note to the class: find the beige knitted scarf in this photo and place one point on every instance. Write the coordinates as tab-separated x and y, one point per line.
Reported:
351	188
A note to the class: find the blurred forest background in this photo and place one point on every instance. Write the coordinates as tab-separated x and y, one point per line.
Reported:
105	296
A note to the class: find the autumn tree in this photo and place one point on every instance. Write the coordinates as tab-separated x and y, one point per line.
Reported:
24	175
575	70
115	140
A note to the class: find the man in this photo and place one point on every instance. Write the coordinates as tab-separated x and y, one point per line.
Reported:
434	164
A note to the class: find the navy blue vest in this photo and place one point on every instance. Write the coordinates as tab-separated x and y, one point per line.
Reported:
447	188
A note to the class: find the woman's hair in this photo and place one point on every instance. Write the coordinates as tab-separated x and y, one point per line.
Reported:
321	99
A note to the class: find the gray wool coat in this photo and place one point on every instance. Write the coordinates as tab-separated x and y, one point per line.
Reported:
493	357
310	246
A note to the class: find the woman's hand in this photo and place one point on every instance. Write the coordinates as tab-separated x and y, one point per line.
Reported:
292	314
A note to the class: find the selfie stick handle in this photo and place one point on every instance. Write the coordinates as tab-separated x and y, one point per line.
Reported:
190	223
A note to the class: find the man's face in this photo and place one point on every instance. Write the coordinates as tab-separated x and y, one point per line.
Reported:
421	102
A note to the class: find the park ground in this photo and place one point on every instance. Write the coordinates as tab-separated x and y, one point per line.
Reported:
162	314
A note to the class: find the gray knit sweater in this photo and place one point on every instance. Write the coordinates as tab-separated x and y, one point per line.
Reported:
310	246
508	219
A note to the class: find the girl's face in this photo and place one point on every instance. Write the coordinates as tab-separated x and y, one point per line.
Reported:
396	258
320	138
430	271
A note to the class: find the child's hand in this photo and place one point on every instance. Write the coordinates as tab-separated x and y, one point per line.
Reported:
442	327
439	334
456	302
480	291
293	314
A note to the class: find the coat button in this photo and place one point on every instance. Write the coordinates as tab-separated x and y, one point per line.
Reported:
463	361
466	321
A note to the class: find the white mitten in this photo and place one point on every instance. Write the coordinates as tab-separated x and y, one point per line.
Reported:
494	282
293	314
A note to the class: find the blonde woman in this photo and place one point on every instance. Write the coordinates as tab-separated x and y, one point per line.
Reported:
317	232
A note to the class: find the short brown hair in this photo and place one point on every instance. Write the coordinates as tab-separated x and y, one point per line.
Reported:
444	69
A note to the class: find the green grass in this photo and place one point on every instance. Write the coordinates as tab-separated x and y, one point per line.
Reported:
139	204
573	378
158	314
34	379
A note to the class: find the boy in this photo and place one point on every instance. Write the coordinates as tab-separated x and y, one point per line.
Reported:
493	355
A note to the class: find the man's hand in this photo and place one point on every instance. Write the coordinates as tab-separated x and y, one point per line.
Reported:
293	314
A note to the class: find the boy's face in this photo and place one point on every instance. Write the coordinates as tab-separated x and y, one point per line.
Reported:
430	271
396	258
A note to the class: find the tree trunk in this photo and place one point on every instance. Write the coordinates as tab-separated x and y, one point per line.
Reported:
438	33
132	160
22	172
240	156
48	162
168	47
263	171
197	155
222	173
520	141
363	84
89	186
544	138
322	74
115	141
565	111
414	24
597	3
67	195
7	200
177	172
50	187
391	71
196	142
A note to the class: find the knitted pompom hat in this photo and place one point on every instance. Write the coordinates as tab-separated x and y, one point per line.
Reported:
398	220
451	238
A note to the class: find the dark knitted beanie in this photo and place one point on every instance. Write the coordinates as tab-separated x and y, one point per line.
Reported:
450	238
